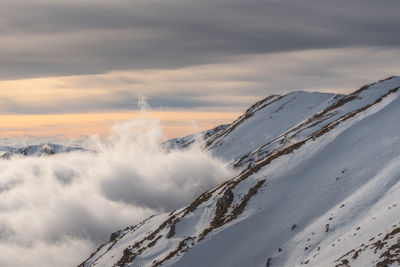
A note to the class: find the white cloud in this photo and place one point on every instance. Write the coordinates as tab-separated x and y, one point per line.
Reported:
55	210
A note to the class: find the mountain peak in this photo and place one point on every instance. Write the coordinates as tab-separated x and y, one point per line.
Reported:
316	187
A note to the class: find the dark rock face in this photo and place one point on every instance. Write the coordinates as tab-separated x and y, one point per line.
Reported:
114	235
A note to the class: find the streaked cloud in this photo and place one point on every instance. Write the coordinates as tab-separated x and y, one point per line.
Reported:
230	86
52	38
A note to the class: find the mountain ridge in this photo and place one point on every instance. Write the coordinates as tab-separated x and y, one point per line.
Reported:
301	157
37	150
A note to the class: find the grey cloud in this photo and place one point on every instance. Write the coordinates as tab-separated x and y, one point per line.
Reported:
233	85
70	37
122	101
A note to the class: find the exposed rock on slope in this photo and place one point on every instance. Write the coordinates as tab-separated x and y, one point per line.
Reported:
319	186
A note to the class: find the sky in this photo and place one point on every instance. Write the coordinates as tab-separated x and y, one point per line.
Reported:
74	68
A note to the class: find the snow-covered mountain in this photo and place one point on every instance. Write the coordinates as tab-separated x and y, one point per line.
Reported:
318	185
47	149
184	142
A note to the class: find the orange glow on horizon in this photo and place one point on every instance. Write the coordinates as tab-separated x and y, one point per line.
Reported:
79	126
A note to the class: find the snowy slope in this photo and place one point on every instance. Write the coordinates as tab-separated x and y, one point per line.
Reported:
184	142
267	120
320	190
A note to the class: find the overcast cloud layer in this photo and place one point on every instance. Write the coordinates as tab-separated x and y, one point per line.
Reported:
46	37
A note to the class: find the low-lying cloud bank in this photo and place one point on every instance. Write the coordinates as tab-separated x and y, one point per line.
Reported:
55	210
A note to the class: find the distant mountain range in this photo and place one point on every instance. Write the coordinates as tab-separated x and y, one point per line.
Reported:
46	149
318	185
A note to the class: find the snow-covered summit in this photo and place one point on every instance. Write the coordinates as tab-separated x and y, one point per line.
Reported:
318	185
